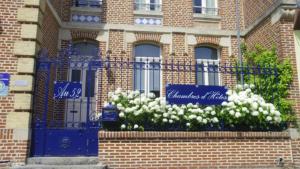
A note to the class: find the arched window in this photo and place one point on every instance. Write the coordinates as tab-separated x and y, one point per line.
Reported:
86	48
147	68
207	68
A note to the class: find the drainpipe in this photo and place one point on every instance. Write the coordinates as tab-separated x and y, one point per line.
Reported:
238	29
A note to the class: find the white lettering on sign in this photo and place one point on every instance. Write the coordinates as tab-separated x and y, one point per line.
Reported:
63	92
211	95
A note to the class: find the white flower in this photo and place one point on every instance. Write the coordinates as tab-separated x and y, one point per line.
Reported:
208	108
252	86
192	116
254	106
215	120
277	113
277	119
265	112
213	113
204	121
123	126
121	114
181	112
269	118
231	112
260	109
239	87
188	124
165	115
136	126
255	113
165	120
238	114
151	95
171	121
199	118
224	104
244	109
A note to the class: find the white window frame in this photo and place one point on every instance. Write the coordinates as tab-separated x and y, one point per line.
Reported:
147	5
206	63
204	6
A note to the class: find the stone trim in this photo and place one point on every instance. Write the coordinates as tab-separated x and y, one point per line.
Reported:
103	135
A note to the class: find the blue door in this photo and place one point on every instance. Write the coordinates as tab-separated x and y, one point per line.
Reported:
65	118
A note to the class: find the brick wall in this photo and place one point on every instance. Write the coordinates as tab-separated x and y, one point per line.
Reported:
228	15
193	150
178	13
118	11
253	9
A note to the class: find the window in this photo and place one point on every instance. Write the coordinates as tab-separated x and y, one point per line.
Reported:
86	49
147	72
88	3
207	67
147	5
208	7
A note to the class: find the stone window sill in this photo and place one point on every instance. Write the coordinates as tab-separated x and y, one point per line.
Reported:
210	18
148	13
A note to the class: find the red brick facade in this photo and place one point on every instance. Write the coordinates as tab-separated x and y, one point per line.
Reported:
117	35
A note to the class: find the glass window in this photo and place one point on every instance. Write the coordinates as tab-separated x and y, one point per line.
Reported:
207	69
86	49
90	90
76	74
208	7
147	68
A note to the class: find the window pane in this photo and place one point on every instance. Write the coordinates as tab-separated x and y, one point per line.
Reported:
154	82
86	49
139	76
213	75
90	91
197	6
206	53
76	74
147	50
200	74
210	7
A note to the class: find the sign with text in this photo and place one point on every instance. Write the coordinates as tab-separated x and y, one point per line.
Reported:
196	94
4	84
67	90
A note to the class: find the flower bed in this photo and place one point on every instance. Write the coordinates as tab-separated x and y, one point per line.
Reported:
244	111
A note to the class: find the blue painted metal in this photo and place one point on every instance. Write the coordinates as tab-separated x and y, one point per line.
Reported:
110	113
54	134
196	94
4	84
67	90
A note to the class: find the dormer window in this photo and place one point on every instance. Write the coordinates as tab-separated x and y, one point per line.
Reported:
147	5
88	3
206	7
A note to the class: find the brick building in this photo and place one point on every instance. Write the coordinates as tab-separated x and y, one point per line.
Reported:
127	29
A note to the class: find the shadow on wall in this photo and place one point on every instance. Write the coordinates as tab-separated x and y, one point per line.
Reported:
1	29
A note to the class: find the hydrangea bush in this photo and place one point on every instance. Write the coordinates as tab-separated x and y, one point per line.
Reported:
244	110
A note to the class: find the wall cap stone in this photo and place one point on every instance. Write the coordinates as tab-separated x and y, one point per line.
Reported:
193	135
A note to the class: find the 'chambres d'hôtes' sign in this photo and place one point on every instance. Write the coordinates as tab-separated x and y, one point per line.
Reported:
196	94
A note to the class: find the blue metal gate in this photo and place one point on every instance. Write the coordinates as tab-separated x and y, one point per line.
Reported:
65	113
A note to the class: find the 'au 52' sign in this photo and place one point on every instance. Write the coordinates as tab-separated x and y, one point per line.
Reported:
67	90
196	94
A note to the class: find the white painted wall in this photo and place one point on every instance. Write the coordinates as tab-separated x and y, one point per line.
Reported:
297	48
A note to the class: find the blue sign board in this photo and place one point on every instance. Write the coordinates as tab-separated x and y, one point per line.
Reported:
4	84
196	94
110	116
67	90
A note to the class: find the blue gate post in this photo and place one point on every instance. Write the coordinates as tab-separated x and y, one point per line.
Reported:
92	126
40	125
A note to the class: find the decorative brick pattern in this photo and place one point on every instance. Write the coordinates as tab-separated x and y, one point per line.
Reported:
77	35
213	40
148	37
193	150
